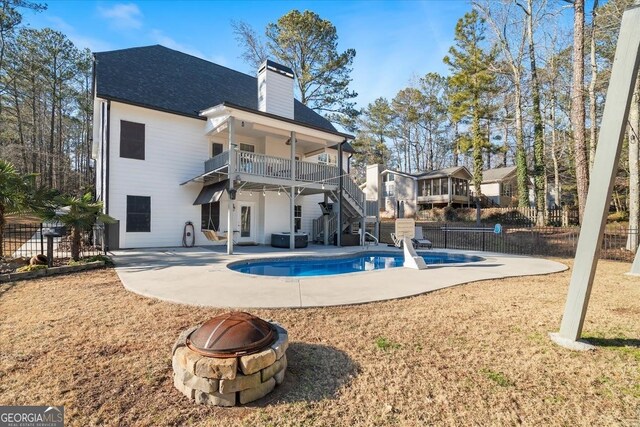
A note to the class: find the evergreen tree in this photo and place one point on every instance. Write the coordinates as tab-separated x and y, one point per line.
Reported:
470	81
308	45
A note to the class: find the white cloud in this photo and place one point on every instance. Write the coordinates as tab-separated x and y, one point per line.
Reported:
122	15
81	41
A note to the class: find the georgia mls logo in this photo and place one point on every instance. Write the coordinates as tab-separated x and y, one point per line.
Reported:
31	416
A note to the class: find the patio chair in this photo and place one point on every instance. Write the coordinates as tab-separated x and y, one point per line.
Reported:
419	240
396	241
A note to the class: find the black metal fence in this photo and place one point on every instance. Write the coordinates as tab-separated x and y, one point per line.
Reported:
537	241
27	240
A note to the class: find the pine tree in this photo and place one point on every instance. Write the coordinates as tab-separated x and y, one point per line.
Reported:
470	81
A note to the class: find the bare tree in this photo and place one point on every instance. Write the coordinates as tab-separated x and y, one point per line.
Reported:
593	129
577	108
500	17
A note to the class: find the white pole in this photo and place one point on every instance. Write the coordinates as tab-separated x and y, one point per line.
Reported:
614	122
231	169
292	198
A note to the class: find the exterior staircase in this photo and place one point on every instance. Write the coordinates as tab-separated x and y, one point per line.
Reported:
355	207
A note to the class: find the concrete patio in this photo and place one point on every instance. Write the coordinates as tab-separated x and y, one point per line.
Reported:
199	276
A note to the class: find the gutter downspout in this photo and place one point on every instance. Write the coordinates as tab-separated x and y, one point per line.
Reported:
107	196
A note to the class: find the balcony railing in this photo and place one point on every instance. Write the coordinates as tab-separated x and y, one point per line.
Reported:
373	209
316	172
351	188
275	167
217	162
262	165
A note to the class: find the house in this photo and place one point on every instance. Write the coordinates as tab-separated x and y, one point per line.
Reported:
402	194
179	139
443	187
500	186
394	190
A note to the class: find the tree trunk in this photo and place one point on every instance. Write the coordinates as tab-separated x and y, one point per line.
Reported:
521	155
577	108
538	128
52	125
2	224
477	152
593	135
634	179
75	244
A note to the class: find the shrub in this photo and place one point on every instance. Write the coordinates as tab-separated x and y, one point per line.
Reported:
26	268
108	262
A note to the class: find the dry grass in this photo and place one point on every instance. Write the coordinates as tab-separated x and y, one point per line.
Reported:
477	354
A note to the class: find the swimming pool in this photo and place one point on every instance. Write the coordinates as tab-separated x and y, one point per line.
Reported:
303	267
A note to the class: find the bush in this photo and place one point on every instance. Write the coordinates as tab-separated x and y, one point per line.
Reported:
618	216
26	268
450	214
108	262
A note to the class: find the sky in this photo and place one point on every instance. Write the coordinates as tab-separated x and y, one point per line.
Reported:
395	41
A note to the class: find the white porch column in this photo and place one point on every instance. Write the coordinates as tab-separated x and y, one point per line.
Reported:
232	169
325	221
292	199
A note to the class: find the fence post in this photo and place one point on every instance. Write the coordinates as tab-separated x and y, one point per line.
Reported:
445	236
483	233
41	240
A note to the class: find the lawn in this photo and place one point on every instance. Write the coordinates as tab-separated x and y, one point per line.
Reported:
476	354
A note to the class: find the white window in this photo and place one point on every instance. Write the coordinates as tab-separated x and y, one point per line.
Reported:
327	159
297	217
247	147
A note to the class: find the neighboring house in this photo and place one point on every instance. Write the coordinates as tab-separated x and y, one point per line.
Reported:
500	186
395	191
403	194
178	139
444	187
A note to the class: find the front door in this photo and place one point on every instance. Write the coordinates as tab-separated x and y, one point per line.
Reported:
246	223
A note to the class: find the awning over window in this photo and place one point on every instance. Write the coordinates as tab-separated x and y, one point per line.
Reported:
211	193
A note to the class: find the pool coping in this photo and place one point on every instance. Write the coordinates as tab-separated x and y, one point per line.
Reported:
200	277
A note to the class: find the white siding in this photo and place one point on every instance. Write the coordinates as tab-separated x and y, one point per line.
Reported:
275	93
310	210
276	218
175	149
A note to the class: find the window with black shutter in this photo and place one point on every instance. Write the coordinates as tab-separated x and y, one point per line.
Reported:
138	214
210	219
131	140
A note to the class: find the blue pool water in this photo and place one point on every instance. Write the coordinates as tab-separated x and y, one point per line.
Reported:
300	267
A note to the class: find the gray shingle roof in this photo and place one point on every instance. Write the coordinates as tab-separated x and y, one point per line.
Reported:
442	172
164	79
497	174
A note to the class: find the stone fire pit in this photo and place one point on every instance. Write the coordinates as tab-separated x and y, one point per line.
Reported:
234	358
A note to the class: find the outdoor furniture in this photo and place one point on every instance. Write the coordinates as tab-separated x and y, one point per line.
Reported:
281	240
214	236
419	240
396	242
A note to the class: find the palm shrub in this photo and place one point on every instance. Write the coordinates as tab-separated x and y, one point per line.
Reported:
79	214
18	194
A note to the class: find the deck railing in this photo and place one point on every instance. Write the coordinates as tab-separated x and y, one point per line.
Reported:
373	209
216	162
279	167
316	172
263	165
355	193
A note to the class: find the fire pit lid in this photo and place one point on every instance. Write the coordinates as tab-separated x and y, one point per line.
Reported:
232	334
